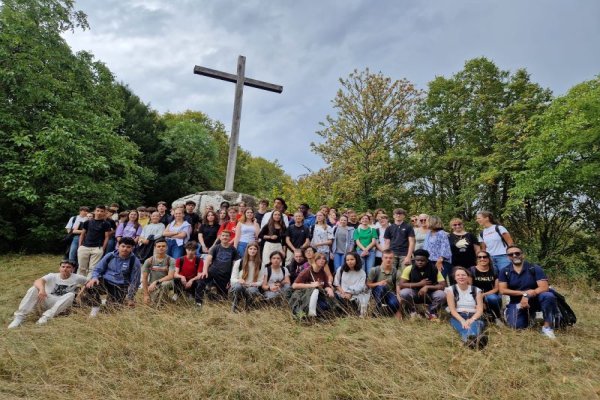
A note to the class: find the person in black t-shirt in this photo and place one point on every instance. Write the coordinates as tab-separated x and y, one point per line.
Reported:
192	217
207	235
93	241
218	266
297	236
400	238
263	206
486	279
463	245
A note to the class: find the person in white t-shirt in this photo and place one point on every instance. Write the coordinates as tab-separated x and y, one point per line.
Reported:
494	239
55	292
276	277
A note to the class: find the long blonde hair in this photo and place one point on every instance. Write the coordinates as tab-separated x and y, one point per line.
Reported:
256	259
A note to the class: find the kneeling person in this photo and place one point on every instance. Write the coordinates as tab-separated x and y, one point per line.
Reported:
188	273
158	272
117	275
422	283
55	292
382	281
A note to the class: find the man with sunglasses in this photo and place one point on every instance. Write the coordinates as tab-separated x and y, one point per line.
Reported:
527	286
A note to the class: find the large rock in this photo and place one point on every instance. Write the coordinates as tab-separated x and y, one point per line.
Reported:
215	198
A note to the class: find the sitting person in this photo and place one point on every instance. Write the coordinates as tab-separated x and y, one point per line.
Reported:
465	303
158	272
350	284
219	265
527	286
485	278
246	277
55	292
188	273
422	283
297	265
117	275
312	293
276	278
382	281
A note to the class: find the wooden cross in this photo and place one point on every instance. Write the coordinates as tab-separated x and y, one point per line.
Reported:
240	80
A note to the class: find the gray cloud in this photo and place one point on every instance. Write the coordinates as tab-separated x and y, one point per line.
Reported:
306	46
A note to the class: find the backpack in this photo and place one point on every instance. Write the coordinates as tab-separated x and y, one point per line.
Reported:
131	262
457	294
179	263
283	269
497	228
566	316
378	269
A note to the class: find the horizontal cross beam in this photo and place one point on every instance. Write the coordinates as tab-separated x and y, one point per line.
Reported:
224	76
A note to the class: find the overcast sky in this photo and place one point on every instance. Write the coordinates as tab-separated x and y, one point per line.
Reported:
305	46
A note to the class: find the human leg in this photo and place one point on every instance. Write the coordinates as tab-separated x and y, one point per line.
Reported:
95	257
73	248
26	306
516	317
83	259
242	248
547	303
407	300
237	292
370	261
338	260
58	304
493	302
392	301
438	299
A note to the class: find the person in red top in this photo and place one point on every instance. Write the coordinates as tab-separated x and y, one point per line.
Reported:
229	225
188	270
313	294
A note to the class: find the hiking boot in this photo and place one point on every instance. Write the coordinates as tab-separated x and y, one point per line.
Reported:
43	320
548	332
482	341
471	342
15	323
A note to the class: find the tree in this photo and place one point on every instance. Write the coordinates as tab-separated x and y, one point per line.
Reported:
373	115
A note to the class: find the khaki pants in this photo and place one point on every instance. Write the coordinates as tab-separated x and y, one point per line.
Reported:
87	258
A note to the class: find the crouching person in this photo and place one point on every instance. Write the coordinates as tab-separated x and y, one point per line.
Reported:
54	292
465	303
382	281
246	277
158	272
188	274
276	278
422	283
117	275
312	293
527	286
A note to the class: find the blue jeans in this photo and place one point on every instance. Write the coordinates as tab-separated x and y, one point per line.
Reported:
242	248
500	262
494	302
338	260
446	269
384	296
518	318
111	245
173	250
475	329
368	261
73	248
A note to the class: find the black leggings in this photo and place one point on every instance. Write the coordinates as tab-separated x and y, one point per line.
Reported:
115	293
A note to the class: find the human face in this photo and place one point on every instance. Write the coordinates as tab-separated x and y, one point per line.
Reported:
155	217
190	253
309	253
321	261
189	208
210	208
223	214
423	220
98	214
457	226
225	238
160	248
232	214
398	218
65	270
421	261
276	260
161	209
210	216
298	218
516	255
133	216
124	250
352	217
320	218
333	214
387	260
252	251
414	221
278	205
483	259
365	220
298	257
461	277
343	221
249	214
262	207
481	220
276	216
179	215
242	207
383	220
303	210
351	261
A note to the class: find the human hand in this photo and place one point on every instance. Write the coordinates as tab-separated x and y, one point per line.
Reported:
42	296
188	284
130	303
152	286
147	299
423	291
425	282
329	292
407	260
91	283
524	302
439	265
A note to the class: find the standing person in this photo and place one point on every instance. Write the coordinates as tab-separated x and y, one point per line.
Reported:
465	303
421	230
350	284
280	205
366	237
438	246
343	242
207	235
93	241
165	217
273	236
241	210
158	272
422	283
219	265
192	217
309	218
494	239
223	219
143	216
188	272
74	231
382	281
486	279
322	235
246	231
55	292
312	291
400	238
297	265
112	241
463	245
117	275
383	223
114	207
333	217
151	232
246	277
231	223
262	210
297	236
527	286
276	278
352	218
177	234
131	228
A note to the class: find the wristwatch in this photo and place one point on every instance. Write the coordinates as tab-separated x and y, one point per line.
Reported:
525	295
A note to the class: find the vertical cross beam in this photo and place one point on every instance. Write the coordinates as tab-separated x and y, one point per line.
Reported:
235	124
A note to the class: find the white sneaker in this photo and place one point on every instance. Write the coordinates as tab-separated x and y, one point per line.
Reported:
94	312
499	322
15	323
43	320
414	315
175	297
548	332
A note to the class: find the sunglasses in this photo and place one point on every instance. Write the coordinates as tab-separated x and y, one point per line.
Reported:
515	254
482	257
423	220
456	224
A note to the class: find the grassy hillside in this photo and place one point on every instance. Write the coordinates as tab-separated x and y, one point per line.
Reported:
179	352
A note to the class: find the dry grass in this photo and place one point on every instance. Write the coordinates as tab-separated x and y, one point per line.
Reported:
179	352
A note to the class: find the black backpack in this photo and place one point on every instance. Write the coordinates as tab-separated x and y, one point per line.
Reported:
457	295
269	270
497	228
566	316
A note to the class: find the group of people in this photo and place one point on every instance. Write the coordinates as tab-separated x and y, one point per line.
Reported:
323	264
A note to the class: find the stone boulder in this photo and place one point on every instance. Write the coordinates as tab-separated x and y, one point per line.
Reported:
215	198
